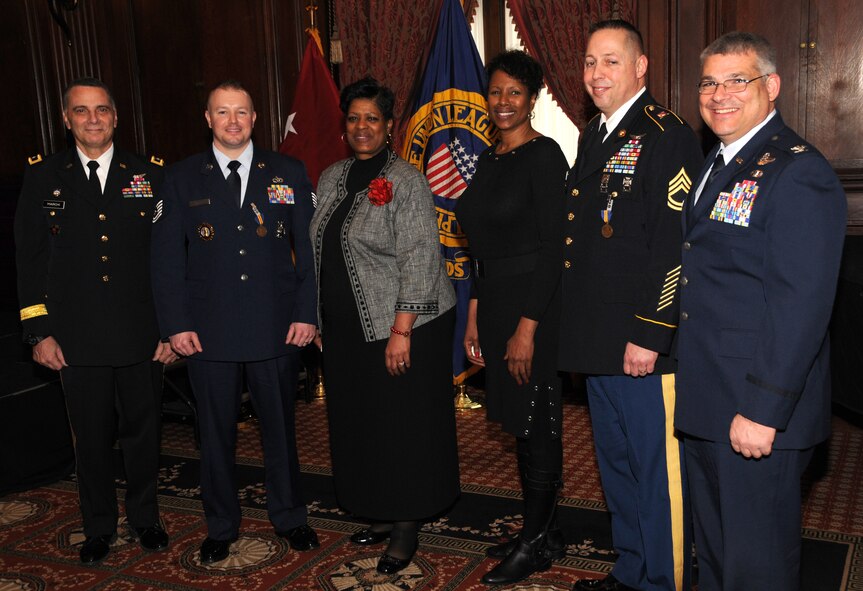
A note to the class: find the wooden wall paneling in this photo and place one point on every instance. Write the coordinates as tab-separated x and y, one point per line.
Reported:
675	32
118	61
494	18
47	105
171	76
834	68
784	24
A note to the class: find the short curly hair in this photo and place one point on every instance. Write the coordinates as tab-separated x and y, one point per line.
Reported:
368	88
520	66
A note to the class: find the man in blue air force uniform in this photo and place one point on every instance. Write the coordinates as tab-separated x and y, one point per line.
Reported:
620	305
762	244
231	297
82	237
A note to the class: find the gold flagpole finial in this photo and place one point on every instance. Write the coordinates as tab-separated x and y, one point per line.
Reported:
312	9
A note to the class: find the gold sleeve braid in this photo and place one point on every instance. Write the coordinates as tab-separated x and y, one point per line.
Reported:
33	311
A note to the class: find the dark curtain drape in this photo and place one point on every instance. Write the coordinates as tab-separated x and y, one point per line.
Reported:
555	33
390	41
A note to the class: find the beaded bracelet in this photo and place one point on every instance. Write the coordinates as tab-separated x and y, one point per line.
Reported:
394	330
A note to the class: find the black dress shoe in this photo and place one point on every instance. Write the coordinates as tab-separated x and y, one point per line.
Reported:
555	546
301	538
152	538
215	550
369	537
95	548
526	559
390	565
609	583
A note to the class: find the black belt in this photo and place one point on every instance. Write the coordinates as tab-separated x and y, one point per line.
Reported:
505	267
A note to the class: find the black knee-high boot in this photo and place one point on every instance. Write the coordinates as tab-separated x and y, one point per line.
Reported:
556	543
530	554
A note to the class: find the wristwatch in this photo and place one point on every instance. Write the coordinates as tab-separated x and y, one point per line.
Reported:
34	339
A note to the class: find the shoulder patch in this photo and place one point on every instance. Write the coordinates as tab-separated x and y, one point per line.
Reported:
662	117
34	159
157	161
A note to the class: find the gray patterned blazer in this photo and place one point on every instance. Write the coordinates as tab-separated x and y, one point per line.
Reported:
392	251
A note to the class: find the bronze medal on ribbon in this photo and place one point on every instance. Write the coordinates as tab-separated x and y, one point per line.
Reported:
206	231
607	231
261	230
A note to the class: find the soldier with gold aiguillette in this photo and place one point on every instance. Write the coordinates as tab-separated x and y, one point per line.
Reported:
82	236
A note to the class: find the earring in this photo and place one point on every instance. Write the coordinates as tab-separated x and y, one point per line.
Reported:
389	139
532	115
343	138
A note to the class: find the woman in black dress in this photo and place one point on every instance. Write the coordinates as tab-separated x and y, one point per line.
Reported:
512	214
387	318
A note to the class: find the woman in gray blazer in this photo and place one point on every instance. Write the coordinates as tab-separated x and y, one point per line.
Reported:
386	312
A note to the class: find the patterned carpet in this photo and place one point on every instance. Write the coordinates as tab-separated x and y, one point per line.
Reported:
40	528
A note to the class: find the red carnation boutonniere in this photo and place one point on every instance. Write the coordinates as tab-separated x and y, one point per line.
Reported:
380	191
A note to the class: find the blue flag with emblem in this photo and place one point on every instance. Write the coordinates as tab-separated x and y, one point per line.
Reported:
448	131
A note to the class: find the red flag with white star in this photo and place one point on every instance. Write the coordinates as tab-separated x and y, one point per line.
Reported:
313	132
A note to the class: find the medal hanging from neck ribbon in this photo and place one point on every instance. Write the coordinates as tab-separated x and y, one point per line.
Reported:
605	214
262	229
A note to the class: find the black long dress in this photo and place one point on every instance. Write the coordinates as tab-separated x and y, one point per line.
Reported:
392	439
513	209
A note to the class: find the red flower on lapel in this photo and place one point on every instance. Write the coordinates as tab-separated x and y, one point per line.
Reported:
380	191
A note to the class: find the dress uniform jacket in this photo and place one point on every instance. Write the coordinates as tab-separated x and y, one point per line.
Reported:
760	264
83	260
622	287
237	285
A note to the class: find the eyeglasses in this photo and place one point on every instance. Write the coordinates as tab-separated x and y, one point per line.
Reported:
732	85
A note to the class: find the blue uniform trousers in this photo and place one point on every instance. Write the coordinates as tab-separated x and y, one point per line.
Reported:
641	464
746	516
272	386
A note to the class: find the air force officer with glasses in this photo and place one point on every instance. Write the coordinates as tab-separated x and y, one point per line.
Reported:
762	243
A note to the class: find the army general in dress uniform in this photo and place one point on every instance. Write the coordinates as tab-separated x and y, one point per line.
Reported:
82	235
761	252
620	305
232	297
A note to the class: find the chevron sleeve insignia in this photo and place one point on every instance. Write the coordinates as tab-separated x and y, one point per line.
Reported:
666	297
679	184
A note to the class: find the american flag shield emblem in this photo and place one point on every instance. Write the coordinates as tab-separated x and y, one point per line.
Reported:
446	134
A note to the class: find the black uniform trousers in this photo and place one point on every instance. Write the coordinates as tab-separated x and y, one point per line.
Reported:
272	386
105	402
746	516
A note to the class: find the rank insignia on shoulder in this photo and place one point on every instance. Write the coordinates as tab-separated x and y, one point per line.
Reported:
157	161
799	149
34	159
766	158
662	114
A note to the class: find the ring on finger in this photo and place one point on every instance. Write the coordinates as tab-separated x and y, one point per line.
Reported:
401	362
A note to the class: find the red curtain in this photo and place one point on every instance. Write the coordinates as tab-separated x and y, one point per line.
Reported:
388	40
555	33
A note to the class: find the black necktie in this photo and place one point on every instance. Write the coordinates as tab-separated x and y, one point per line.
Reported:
93	179
718	165
603	131
234	182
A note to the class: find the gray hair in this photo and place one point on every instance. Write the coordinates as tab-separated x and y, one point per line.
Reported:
90	82
737	42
